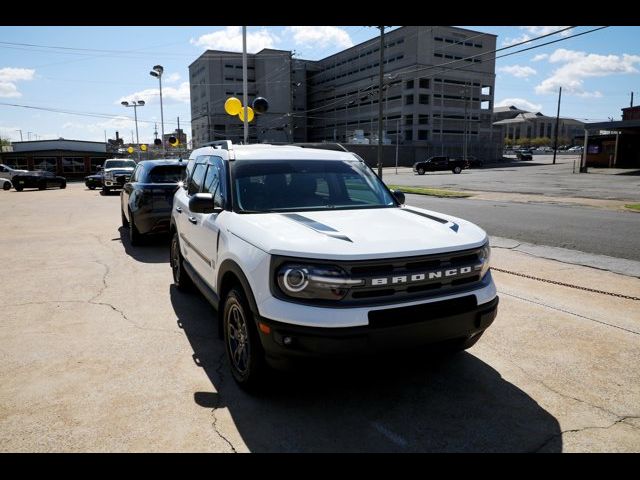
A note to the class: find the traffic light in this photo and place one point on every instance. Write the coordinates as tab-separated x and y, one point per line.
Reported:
157	141
173	141
260	105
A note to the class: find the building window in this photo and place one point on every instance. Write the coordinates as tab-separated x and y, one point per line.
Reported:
45	163
18	163
424	99
423	119
408	119
95	163
423	134
408	99
73	165
424	83
408	85
408	134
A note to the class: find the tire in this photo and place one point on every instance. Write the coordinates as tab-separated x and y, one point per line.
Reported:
135	237
420	171
462	344
6	185
63	185
242	344
181	278
106	190
91	187
42	186
125	222
18	188
457	170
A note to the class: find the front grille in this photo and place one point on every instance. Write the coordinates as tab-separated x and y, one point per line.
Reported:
390	269
421	313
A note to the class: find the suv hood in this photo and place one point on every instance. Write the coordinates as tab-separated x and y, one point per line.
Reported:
357	234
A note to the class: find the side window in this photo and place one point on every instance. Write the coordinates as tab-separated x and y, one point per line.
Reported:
213	183
136	174
187	172
196	180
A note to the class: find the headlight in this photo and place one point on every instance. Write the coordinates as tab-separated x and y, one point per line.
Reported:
484	256
317	282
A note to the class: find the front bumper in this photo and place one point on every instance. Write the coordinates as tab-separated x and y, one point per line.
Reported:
404	327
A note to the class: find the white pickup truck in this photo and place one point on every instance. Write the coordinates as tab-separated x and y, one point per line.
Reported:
306	253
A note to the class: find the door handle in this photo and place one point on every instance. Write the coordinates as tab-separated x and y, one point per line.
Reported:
193	220
178	209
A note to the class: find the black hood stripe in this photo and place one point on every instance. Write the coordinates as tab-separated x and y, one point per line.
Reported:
453	226
317	226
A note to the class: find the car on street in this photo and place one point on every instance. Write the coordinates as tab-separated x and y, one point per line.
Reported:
5	183
8	172
524	154
147	198
306	253
117	172
40	179
576	149
474	162
438	164
94	181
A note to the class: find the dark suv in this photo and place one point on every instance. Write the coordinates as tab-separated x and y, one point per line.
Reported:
438	164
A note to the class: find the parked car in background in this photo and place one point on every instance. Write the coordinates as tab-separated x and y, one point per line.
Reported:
524	154
146	199
576	149
39	179
117	172
5	183
8	172
437	164
94	181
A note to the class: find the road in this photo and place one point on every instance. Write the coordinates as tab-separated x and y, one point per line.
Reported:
99	352
590	230
539	176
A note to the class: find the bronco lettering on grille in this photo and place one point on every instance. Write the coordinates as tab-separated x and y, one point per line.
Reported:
420	277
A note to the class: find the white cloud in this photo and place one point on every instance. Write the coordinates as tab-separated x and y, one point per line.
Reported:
8	78
320	36
539	57
174	77
577	66
231	39
521	103
120	122
534	31
518	71
152	95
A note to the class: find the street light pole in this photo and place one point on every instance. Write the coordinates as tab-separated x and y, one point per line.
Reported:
135	104
380	80
244	85
157	71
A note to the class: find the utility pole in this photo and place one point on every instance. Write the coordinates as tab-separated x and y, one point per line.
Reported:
397	142
380	79
555	140
291	84
245	96
155	131
631	100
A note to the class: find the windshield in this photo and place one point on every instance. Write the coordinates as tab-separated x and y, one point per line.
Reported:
119	164
290	185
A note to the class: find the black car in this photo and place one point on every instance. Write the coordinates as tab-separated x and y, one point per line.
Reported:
39	179
474	162
437	164
146	199
94	181
524	154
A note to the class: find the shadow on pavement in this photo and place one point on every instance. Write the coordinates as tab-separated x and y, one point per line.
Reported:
154	250
401	404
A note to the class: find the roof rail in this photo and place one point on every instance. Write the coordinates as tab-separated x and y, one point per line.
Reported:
223	144
322	145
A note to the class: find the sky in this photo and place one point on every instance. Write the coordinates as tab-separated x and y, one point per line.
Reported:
74	78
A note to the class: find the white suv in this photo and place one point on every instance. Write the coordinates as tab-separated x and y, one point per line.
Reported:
117	172
306	253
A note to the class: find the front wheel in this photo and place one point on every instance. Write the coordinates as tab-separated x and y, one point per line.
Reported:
420	171
6	186
63	185
181	279
125	222
18	188
91	187
457	170
135	237
106	190
42	186
244	351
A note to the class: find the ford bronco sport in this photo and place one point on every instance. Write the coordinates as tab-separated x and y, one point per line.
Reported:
306	253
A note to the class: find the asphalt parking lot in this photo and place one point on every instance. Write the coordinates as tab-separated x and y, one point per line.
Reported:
539	176
99	352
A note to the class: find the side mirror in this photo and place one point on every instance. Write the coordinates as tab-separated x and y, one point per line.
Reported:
399	196
203	203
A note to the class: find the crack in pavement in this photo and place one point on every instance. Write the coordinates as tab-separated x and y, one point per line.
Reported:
578	430
213	411
104	280
569	312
